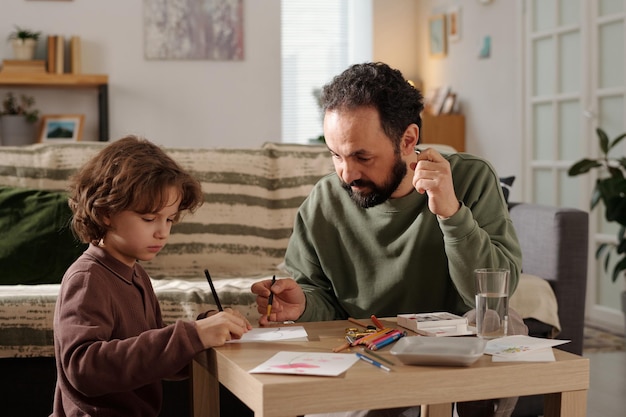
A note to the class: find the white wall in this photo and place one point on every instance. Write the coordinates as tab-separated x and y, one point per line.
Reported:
489	89
173	103
396	35
237	103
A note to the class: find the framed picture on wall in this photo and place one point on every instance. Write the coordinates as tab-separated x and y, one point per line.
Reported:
454	24
59	128
437	35
193	29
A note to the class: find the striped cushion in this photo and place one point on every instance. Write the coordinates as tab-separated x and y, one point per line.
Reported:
240	234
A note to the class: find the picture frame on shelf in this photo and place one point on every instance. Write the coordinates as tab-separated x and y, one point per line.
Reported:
61	128
448	104
438	100
437	35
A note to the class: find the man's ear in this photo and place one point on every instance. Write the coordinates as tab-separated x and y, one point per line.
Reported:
409	140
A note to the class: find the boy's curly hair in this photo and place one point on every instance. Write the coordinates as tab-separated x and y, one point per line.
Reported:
129	174
375	84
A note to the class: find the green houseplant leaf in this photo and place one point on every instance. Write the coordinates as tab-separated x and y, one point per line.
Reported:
610	189
12	106
24	34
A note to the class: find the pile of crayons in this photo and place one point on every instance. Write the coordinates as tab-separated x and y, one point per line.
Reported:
373	340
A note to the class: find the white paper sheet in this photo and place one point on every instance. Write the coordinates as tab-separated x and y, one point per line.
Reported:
307	363
522	349
539	355
273	334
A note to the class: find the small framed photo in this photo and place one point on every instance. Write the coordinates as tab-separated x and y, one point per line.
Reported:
437	35
448	104
61	128
439	99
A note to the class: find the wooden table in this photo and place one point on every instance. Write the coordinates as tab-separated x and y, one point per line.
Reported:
565	382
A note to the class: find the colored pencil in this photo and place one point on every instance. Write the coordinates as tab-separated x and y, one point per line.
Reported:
372	361
357	322
377	356
386	341
215	297
270	300
367	339
377	322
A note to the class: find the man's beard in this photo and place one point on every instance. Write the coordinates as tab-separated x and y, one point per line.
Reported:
378	194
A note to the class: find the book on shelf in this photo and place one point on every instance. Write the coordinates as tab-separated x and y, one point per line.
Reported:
75	55
60	55
19	65
425	322
52	54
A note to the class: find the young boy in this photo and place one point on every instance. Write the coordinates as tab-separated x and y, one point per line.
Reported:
112	349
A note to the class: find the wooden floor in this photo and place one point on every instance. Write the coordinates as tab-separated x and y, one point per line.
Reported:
607	392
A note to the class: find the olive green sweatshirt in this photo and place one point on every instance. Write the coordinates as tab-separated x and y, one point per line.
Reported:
398	257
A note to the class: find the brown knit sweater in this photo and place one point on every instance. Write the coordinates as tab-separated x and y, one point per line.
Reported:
111	346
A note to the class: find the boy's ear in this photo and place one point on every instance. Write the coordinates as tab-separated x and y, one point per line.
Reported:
106	218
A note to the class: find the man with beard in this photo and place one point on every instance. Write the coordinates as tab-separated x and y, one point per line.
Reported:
394	230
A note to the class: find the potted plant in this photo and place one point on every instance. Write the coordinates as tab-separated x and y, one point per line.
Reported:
610	189
18	120
24	42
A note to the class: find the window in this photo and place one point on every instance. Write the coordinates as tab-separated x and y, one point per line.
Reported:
320	39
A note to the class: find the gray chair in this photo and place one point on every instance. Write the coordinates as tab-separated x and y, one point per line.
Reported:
554	244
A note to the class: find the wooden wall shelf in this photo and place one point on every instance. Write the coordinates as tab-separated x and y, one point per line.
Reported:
52	80
98	81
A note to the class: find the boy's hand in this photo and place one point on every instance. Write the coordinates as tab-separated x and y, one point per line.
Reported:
218	328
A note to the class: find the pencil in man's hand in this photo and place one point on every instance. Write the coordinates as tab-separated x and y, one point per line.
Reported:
270	300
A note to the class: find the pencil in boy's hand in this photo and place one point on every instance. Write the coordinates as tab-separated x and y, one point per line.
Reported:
215	297
270	300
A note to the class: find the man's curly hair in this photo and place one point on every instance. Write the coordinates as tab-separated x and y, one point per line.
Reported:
129	174
375	84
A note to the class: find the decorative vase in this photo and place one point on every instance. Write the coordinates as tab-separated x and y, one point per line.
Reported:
16	131
24	49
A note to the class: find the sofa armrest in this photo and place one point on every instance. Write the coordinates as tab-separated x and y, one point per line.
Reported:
554	243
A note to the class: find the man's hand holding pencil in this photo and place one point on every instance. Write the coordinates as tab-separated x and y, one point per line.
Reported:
288	300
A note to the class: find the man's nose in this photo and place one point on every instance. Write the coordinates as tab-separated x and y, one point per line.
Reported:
349	172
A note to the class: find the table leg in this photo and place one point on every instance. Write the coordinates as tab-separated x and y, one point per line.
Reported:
205	395
566	404
436	410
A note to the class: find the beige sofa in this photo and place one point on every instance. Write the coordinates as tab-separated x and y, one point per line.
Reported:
239	234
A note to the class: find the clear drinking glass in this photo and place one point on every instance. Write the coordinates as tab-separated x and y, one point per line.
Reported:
492	302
